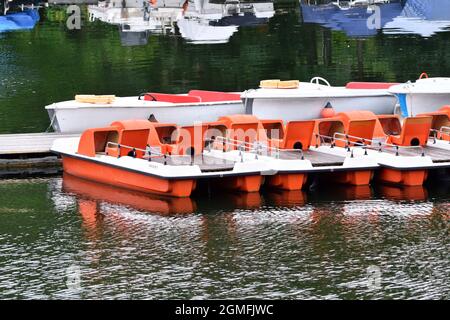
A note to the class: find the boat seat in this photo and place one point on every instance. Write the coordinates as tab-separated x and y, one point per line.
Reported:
326	128
440	119
369	85
298	134
189	140
246	132
391	124
415	132
274	130
213	96
173	98
360	130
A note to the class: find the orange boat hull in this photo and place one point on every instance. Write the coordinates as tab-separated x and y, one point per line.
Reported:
354	178
242	183
288	181
127	179
405	178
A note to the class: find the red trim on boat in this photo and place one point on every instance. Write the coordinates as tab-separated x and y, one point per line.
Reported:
214	96
369	85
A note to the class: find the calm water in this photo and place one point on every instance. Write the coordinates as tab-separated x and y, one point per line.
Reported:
274	245
340	242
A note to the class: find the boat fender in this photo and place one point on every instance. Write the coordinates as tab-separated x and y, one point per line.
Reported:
327	111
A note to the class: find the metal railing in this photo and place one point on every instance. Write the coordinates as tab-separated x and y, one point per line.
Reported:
257	147
443	131
149	152
365	144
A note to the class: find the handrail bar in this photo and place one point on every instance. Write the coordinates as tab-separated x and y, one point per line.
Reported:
240	144
152	154
374	145
377	143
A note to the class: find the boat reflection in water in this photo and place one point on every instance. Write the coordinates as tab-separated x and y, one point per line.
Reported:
422	17
413	193
206	22
198	21
355	21
91	191
137	20
14	21
284	198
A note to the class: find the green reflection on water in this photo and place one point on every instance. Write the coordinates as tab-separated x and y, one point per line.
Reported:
51	63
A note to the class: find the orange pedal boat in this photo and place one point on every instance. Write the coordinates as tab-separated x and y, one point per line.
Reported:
137	155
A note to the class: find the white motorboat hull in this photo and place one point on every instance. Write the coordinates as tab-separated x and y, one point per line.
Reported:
73	119
417	103
305	108
424	95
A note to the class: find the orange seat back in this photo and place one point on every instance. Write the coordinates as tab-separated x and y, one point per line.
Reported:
348	116
360	130
274	128
298	134
246	132
390	124
415	131
190	140
136	138
440	119
325	129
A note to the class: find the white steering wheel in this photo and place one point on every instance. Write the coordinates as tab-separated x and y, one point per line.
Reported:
317	80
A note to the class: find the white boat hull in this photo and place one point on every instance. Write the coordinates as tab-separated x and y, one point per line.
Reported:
418	103
424	95
78	119
305	108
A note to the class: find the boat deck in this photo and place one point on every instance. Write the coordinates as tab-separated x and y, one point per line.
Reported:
318	159
438	155
206	163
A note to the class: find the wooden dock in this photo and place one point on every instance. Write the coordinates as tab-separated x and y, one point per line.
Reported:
29	153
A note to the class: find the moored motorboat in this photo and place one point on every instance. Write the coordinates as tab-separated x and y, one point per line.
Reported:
305	101
97	111
423	95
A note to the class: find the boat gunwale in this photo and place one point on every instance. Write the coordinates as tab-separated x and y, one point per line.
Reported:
73	104
204	175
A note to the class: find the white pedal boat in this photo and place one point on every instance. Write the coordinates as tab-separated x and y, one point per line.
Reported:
307	100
